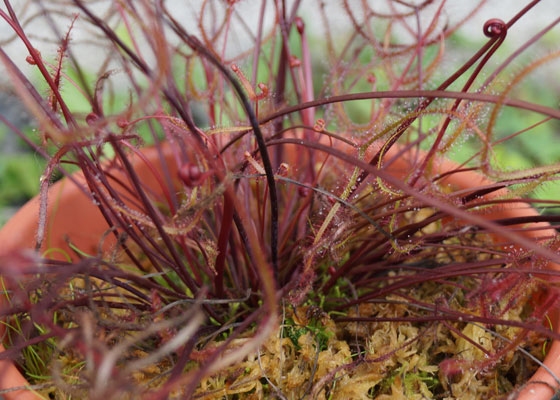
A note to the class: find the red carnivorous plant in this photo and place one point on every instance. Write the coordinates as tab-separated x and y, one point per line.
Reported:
277	215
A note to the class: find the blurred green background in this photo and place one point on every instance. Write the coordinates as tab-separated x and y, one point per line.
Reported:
21	167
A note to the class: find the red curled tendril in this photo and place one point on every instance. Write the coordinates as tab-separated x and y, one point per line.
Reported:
494	27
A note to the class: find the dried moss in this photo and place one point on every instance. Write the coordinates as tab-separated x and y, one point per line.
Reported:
318	358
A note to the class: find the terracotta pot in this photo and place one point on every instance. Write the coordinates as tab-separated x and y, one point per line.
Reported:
72	214
70	210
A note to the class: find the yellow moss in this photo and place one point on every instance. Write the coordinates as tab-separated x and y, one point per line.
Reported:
466	349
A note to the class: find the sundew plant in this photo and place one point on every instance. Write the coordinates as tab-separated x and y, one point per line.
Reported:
263	185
